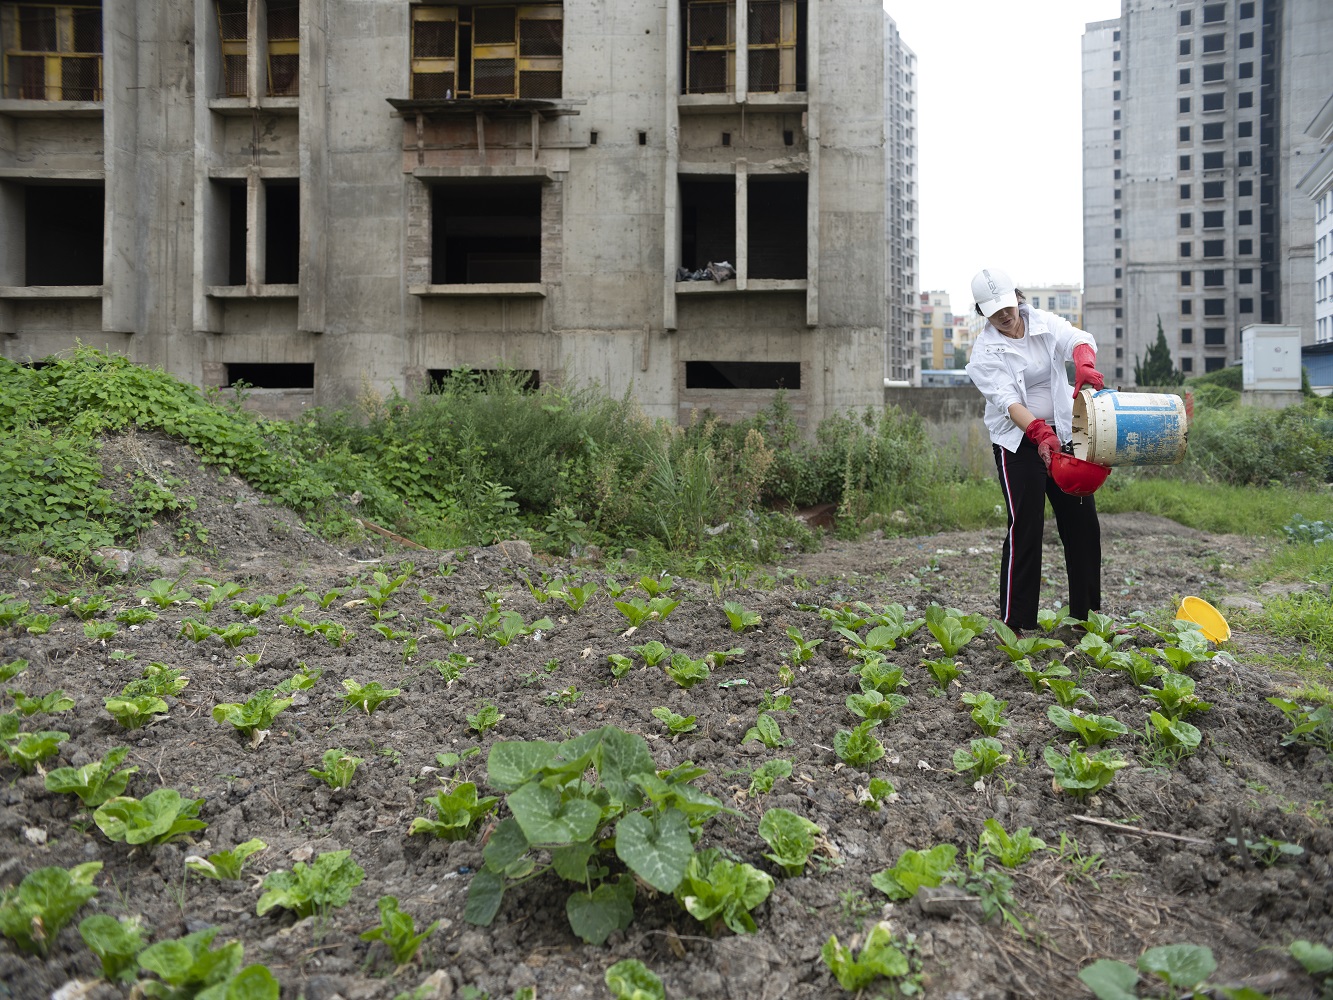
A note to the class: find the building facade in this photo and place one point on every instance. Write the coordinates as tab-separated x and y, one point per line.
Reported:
1193	119
1066	301
325	197
1317	184
900	211
938	327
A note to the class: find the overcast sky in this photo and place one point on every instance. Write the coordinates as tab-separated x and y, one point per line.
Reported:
999	137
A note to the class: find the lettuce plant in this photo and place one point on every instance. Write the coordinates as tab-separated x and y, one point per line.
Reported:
1093	730
1081	774
676	725
10	670
877	674
100	631
254	982
879	956
685	671
1051	620
157	679
943	671
635	610
339	767
982	757
162	593
367	697
1173	735
878	639
116	943
630	979
1141	670
1016	649
767	732
915	869
256	715
225	864
50	703
398	932
487	717
763	776
858	746
804	649
37	624
159	817
1010	850
457	812
1176	698
195	629
235	634
1183	968
948	630
1036	676
620	665
715	891
137	711
1100	625
511	626
136	616
96	782
1311	726
655	586
790	838
652	652
187	967
1067	691
718	658
878	790
26	750
873	705
575	596
739	618
33	913
987	711
217	594
313	889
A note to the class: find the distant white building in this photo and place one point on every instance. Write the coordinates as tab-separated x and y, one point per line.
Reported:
1063	300
1318	185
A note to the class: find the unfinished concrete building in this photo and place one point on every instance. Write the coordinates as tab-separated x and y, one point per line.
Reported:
320	197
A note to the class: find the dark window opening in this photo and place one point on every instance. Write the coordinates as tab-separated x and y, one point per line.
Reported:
707	222
1244	189
485	51
282	233
486	233
1184	163
775	46
742	374
1214	12
1185	75
1184	191
1184	18
726	138
1214	364
1184	46
776	210
1213	248
1186	279
1244	130
1247	40
788	137
1214	43
1214	102
236	230
1213	220
63	235
1186	307
1186	220
1246	305
1213	131
1245	217
1186	335
1214	336
290	375
1247	9
592	138
1214	307
1245	158
1184	106
1184	133
1245	276
1212	161
643	138
53	53
1213	190
439	379
284	58
1245	99
1214	278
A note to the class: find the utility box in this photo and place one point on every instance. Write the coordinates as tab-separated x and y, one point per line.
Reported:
1271	358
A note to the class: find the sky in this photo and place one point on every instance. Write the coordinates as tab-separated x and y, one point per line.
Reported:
999	138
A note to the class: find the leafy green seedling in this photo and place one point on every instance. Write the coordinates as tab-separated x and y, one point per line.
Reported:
256	715
948	630
187	966
339	767
1141	670
779	702
307	890
879	956
1093	730
767	732
1052	620
225	864
1316	959
487	717
873	705
790	838
804	649
686	671
880	675
1268	851
254	982
1081	774
27	750
162	593
136	616
763	777
303	680
661	607
877	791
943	671
981	757
1173	735
715	891
367	697
575	596
452	666
89	607
915	869
335	633
235	634
652	652
1100	625
1176	698
878	639
859	746
33	914
1183	967
987	711
194	629
50	704
635	610
456	812
217	594
116	943
1067	691
655	586
620	665
1017	649
511	626
677	725
630	979
38	624
719	657
96	782
137	712
1011	850
1311	726
12	669
159	817
157	679
100	631
257	609
397	931
1036	675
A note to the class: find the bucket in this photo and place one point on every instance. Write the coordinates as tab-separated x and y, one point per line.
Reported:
1210	621
1129	428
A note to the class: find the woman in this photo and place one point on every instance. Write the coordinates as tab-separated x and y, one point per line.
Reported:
1018	363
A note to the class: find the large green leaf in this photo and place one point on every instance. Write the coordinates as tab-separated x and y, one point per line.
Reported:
484	896
609	907
657	849
623	754
506	845
512	763
571	863
546	818
1110	980
630	979
1182	966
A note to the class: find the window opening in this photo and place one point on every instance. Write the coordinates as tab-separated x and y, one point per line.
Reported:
710	43
274	375
742	374
236	230
484	233
776	234
53	52
284	59
487	52
63	235
232	29
707	222
282	232
772	46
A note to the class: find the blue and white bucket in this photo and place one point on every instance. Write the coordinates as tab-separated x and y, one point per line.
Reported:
1129	428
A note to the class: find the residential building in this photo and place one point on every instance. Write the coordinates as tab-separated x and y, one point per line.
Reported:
900	212
322	198
1317	184
1193	118
1065	301
937	328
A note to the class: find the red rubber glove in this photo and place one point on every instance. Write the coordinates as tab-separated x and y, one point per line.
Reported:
1085	369
1039	433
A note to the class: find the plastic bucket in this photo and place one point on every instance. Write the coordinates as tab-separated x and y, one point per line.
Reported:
1210	621
1129	428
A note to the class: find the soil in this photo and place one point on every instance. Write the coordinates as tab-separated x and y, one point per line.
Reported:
1142	890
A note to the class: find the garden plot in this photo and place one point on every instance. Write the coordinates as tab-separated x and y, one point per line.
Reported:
713	782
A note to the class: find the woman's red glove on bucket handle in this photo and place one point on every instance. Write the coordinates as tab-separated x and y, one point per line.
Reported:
1085	369
1039	433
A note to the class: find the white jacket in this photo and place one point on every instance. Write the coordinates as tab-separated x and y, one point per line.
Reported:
996	368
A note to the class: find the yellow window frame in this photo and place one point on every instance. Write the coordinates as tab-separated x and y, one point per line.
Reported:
785	46
435	64
729	46
53	62
279	47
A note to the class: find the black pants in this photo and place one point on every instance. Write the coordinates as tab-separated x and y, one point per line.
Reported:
1026	486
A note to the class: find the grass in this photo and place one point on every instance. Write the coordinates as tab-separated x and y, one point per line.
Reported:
1212	507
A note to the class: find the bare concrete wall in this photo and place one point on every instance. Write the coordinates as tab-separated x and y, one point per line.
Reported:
953	421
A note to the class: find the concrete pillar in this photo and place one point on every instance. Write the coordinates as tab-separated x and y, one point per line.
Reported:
313	120
671	183
122	254
742	81
812	61
742	219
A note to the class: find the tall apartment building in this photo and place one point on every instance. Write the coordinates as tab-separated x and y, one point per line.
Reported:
900	212
1317	184
1193	118
319	196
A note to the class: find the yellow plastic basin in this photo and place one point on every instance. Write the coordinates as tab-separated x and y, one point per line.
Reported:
1210	621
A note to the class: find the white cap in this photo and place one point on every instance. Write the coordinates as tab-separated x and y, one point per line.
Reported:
993	290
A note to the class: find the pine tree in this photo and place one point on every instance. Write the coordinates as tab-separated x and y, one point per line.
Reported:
1156	367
